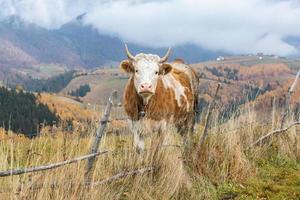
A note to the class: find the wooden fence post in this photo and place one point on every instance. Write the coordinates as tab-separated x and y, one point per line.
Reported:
286	111
208	119
98	137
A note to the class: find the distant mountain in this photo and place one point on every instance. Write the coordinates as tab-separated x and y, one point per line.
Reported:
294	41
33	45
93	48
96	49
73	45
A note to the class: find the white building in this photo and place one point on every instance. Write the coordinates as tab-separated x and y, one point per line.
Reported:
220	58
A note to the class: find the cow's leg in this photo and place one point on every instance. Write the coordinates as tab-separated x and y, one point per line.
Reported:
190	125
186	128
163	133
197	109
138	140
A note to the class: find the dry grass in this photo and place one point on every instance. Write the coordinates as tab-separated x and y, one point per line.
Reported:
178	174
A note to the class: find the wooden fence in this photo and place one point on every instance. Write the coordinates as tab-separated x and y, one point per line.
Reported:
94	152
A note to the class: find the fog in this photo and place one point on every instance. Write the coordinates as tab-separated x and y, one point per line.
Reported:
234	26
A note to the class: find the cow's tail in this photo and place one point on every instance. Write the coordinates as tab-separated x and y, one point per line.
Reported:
196	97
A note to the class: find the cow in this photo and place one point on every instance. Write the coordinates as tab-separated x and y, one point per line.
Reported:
158	94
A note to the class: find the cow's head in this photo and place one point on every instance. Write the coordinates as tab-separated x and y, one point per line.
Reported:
146	69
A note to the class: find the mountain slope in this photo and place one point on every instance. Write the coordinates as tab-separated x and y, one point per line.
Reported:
40	44
10	54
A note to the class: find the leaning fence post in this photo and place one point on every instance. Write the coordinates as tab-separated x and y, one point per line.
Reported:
286	111
208	119
98	137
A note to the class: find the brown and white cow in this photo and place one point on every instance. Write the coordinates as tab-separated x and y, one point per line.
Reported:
158	94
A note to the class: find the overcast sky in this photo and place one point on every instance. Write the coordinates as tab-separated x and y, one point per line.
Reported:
236	26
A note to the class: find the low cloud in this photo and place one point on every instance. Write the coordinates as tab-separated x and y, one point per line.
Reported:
236	26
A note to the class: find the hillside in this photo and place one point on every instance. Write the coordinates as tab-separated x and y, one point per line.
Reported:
235	74
101	82
245	80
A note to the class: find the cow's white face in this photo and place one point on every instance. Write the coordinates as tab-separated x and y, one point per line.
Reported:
146	69
146	72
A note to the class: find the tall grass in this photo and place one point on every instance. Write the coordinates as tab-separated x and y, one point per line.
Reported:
179	173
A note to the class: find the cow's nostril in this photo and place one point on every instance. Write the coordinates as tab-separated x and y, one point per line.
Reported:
142	86
150	86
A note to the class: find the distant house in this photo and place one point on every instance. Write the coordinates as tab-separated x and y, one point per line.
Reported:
220	58
260	54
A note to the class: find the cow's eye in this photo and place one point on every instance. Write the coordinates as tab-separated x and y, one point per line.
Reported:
136	71
156	72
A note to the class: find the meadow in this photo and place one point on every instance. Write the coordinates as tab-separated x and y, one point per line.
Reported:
227	167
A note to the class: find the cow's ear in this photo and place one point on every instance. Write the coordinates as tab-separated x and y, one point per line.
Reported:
165	68
127	66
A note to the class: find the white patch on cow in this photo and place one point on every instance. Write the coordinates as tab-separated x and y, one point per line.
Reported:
170	82
188	71
146	66
183	68
145	127
138	140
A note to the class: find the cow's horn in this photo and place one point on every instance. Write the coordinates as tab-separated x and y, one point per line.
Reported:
165	58
129	55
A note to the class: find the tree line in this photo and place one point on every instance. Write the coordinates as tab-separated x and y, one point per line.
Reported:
54	84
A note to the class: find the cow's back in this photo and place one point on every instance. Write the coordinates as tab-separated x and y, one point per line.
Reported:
189	71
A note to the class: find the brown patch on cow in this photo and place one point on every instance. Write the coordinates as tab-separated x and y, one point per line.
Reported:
163	104
179	60
186	83
165	69
132	100
127	66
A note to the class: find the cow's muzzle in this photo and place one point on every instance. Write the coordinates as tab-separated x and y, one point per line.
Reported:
146	93
146	90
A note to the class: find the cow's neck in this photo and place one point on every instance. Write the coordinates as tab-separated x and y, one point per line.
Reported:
146	100
142	107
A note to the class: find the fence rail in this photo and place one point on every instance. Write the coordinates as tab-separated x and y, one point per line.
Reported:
12	172
262	139
119	175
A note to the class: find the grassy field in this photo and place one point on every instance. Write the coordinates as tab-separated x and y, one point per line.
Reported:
101	82
228	166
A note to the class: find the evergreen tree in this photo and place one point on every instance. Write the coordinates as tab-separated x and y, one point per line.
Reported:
21	113
81	91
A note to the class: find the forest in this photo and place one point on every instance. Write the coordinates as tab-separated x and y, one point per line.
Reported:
81	91
21	113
